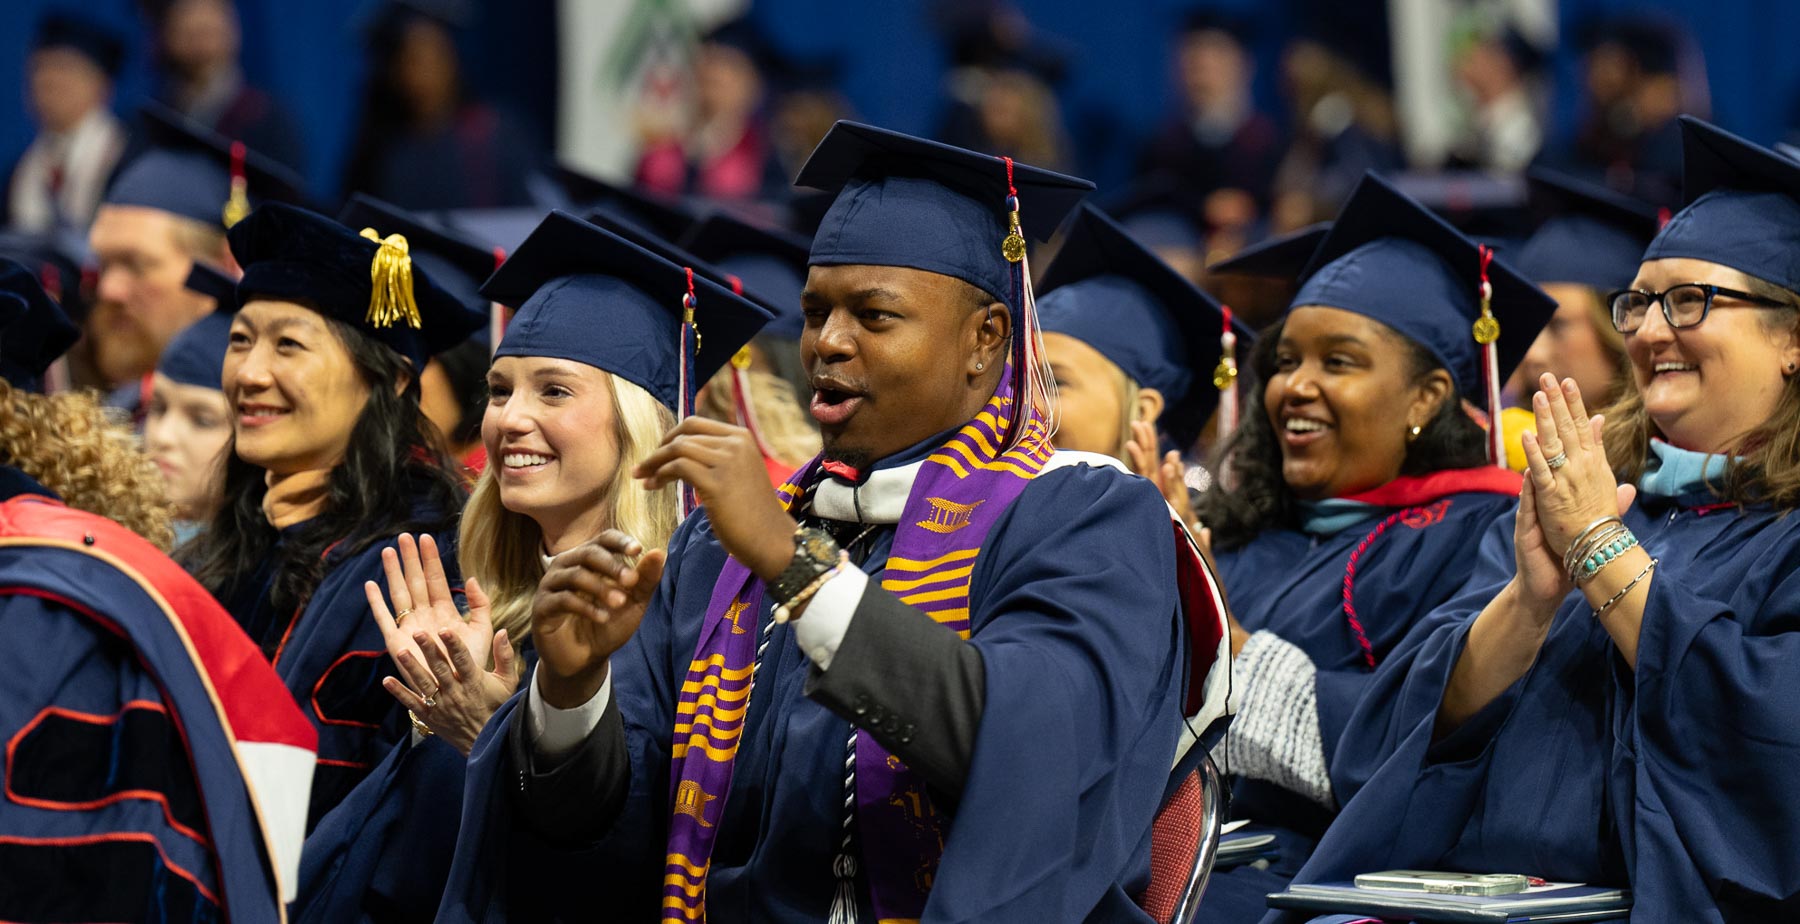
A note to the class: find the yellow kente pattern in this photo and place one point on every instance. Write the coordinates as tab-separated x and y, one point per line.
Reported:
727	693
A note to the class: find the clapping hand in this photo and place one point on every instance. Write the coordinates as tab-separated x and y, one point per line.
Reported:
588	604
442	654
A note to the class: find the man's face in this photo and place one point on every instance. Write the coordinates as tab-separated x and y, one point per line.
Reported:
891	354
142	299
65	85
199	35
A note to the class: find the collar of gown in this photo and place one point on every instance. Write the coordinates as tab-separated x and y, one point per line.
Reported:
881	495
1676	472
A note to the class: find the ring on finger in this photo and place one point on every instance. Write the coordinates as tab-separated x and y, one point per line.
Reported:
431	700
1557	461
401	615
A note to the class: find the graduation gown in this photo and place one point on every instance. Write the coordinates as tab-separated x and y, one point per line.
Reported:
1074	616
1675	777
331	657
154	771
1291	583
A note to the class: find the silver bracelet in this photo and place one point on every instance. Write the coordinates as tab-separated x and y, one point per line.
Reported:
1601	611
1569	556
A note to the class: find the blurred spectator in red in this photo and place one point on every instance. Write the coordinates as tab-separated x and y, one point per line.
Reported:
425	143
198	43
69	75
1215	144
721	149
1497	71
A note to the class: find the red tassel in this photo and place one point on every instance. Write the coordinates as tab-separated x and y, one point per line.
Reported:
498	316
1225	377
1487	333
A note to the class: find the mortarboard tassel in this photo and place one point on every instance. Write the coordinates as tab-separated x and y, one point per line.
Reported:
1225	378
690	349
56	377
1034	388
740	387
238	204
497	313
1487	333
391	283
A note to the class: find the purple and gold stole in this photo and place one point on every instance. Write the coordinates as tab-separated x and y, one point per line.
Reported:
961	490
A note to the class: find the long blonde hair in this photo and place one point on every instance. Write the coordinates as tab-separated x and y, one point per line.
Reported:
784	425
69	444
502	549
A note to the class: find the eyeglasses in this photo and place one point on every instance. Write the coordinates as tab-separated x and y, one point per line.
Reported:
1684	305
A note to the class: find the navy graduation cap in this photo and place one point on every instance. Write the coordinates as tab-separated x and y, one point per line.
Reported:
1282	257
196	173
196	356
908	202
609	221
590	296
1390	259
1158	212
1591	235
666	218
457	264
1741	207
365	281
60	29
34	332
771	263
1110	291
205	280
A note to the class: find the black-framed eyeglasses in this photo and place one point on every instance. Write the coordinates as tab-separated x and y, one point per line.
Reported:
1684	305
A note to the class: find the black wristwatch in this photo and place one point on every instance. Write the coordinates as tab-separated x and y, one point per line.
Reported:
815	553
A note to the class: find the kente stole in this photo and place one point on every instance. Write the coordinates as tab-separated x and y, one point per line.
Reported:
961	490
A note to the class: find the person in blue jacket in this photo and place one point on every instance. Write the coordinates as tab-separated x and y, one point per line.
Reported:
1611	699
1348	500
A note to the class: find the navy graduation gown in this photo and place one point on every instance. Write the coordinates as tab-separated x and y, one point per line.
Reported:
1053	821
332	658
1675	778
134	712
1292	584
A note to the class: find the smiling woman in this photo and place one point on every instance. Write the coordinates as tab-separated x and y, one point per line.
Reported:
329	459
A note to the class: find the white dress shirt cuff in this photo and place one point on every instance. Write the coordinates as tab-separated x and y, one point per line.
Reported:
556	733
820	628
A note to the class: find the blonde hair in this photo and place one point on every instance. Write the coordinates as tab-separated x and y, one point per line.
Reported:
783	425
503	549
199	240
70	444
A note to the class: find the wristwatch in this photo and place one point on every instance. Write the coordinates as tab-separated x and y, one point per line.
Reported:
815	553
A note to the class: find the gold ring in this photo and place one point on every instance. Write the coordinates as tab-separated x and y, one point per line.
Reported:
418	726
1557	461
401	615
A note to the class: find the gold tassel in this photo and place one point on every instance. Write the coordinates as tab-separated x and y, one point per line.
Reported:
238	205
391	282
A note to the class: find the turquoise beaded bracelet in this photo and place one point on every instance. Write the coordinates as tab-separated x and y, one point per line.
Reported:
1604	556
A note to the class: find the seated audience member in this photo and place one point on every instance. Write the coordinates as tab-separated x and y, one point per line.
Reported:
69	76
1353	494
1610	700
915	715
188	423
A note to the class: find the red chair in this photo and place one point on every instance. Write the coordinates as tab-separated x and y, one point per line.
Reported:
1183	842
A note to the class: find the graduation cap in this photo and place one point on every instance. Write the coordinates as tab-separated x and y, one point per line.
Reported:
742	34
369	283
457	264
196	356
611	222
1159	212
34	332
666	218
205	280
771	264
57	259
63	29
1211	19
1592	235
1741	207
908	202
1390	259
196	173
571	278
1112	293
1282	257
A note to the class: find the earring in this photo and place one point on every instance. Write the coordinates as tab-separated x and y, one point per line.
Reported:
1790	368
981	367
1413	433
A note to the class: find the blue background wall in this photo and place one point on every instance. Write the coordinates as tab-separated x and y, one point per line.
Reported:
307	52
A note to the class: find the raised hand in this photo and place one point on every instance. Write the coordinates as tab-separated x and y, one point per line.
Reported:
588	604
1572	480
723	466
1167	472
464	695
423	602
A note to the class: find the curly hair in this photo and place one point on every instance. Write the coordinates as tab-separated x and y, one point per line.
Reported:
70	444
1252	496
